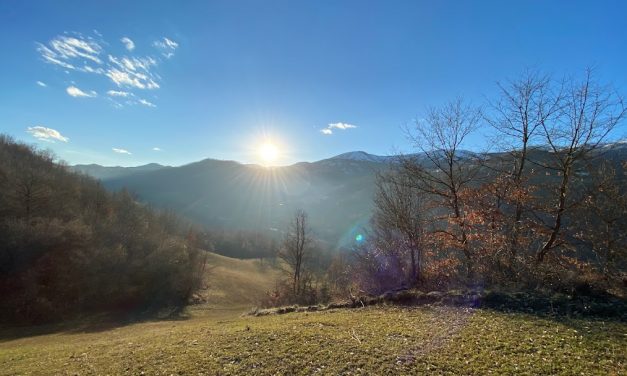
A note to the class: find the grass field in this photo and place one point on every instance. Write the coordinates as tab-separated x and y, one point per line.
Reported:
216	340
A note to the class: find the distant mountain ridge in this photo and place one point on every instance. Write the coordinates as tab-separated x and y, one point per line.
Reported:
336	192
363	156
112	172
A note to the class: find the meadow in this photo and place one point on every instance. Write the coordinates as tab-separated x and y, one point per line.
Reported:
219	338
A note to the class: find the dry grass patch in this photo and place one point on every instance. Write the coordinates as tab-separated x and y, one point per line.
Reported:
390	340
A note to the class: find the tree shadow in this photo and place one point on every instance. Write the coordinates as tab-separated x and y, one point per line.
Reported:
93	323
559	307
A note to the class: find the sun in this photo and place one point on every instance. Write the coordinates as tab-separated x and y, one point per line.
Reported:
268	152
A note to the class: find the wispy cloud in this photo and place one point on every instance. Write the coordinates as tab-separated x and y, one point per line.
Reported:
46	134
88	54
65	51
115	93
156	149
341	126
42	84
76	92
146	103
166	46
132	72
128	43
121	151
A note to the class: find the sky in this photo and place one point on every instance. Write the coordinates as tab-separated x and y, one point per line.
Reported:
128	83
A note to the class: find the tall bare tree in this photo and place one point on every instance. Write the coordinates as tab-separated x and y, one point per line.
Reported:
445	171
295	249
588	113
399	212
524	105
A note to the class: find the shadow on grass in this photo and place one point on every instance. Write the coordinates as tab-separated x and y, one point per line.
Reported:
92	323
557	307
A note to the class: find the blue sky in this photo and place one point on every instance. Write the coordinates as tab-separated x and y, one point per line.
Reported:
217	78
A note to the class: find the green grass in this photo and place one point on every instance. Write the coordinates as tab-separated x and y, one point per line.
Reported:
216	340
363	341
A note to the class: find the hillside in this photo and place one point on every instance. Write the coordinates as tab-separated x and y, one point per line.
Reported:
214	338
337	192
68	247
114	172
399	341
233	283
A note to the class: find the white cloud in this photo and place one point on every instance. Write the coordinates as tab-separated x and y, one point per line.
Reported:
76	52
88	69
42	84
76	92
115	93
146	103
128	43
132	72
156	149
64	50
341	126
166	46
121	151
46	134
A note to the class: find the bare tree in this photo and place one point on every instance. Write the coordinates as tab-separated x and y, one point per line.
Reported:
399	209
601	220
589	112
518	116
445	171
295	250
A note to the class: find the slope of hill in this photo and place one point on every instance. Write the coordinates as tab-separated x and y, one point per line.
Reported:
366	341
112	172
68	247
216	338
233	283
336	192
363	156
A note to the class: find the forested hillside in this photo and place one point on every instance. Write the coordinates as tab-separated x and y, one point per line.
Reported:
337	193
69	246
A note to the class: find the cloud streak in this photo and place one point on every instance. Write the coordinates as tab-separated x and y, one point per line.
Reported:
46	134
166	46
115	93
76	52
146	103
121	151
73	91
340	126
65	51
132	72
42	84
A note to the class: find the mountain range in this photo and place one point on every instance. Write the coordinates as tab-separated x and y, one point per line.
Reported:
336	192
